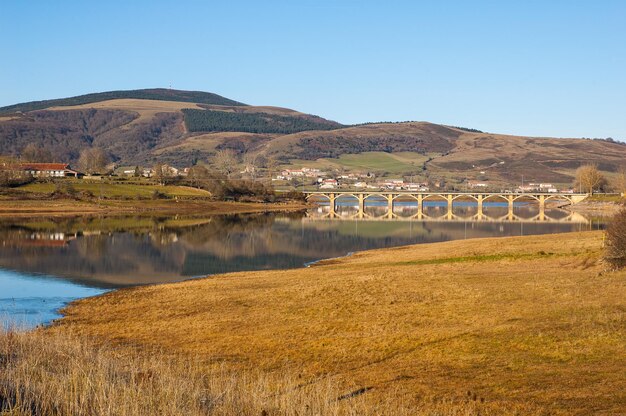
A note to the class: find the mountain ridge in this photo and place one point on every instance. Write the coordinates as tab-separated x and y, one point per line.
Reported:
161	126
162	94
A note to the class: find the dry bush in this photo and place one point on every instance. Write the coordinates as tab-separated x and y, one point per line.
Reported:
615	254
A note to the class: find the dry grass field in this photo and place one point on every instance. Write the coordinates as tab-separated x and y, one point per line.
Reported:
525	325
47	375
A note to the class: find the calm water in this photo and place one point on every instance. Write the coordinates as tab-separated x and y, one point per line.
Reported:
45	263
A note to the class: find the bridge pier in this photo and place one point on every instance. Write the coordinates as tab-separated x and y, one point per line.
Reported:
449	199
479	212
420	205
331	200
390	206
361	198
510	201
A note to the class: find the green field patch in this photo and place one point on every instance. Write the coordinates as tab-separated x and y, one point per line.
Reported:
114	190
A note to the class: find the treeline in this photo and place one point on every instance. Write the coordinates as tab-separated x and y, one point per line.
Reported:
161	94
470	130
222	187
207	120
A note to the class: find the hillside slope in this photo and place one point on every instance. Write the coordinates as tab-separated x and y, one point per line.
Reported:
142	127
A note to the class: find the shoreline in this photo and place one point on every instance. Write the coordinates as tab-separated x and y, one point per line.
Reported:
65	208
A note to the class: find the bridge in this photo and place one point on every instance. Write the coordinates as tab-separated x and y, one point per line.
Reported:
449	197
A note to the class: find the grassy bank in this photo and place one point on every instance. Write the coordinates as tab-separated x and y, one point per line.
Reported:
527	325
40	199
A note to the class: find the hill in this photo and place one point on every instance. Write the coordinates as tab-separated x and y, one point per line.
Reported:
142	127
161	94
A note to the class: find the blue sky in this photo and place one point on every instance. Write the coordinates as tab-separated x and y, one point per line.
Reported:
541	68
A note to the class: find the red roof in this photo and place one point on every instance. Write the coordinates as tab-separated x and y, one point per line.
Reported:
46	166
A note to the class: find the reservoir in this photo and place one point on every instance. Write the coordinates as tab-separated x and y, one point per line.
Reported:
47	262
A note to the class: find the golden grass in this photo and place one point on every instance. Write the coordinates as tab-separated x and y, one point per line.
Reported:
43	374
526	325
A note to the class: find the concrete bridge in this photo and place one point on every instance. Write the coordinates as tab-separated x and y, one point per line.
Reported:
449	197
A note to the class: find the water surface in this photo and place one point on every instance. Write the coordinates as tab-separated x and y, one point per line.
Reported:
44	263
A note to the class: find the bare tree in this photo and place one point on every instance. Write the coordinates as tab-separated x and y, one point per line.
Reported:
93	160
12	173
159	173
589	178
196	175
35	154
225	161
250	163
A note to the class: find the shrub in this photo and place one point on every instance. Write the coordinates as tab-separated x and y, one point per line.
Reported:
64	190
158	195
615	254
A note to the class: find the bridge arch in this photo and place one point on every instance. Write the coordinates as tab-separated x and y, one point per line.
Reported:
406	195
559	197
471	196
491	197
443	196
317	195
378	194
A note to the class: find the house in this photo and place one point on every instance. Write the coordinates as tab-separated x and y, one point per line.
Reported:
292	173
392	184
477	185
49	170
329	184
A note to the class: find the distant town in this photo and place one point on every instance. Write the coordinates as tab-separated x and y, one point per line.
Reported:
369	181
305	177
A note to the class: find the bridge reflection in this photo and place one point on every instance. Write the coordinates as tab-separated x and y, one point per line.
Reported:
347	208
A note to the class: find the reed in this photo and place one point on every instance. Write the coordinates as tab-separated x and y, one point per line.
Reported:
48	374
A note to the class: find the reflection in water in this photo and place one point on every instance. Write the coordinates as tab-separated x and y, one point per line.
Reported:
110	252
115	252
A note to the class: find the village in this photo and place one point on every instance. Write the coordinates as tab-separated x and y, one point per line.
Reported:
305	178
